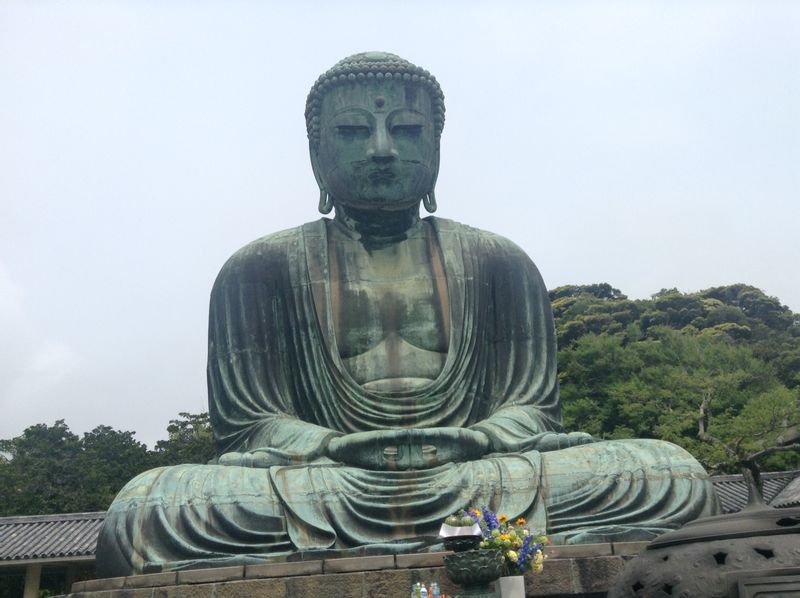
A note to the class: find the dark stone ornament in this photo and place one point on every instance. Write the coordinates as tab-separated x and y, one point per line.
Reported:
731	555
475	571
462	543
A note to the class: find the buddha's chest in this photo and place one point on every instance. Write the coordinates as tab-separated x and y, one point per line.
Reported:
389	309
371	312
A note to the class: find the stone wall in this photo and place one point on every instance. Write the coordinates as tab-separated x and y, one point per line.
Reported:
585	570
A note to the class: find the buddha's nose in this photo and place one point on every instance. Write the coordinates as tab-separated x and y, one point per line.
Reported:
382	148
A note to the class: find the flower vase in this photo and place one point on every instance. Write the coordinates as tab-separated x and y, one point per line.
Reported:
475	571
511	586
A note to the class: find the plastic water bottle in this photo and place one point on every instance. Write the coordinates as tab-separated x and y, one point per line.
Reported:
423	592
435	591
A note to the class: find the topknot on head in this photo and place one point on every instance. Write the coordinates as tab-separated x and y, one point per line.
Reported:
368	66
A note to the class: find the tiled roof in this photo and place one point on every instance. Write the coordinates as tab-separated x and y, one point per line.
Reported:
789	496
732	489
49	536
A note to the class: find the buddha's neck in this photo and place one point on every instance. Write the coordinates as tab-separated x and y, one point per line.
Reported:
377	227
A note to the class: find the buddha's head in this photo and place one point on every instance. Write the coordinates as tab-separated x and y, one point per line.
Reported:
374	122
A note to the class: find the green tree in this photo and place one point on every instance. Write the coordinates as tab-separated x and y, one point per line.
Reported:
48	469
39	475
51	470
108	460
190	441
764	433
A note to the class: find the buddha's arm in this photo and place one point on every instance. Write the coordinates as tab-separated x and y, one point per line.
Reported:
515	429
260	374
251	411
249	417
282	440
524	411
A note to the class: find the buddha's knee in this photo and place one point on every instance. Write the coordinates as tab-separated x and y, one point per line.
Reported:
197	485
662	454
171	514
625	459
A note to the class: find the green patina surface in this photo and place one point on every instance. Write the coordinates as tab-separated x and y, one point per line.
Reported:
372	373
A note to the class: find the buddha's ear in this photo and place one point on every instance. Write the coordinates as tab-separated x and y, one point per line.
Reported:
435	169
312	152
429	200
325	201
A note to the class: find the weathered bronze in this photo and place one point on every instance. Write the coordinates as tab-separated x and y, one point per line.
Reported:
372	373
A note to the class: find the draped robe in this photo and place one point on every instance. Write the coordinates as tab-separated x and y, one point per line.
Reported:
278	389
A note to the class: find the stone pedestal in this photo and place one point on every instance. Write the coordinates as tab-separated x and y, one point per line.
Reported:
585	570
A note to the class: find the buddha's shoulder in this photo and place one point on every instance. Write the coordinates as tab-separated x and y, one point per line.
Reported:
481	240
270	251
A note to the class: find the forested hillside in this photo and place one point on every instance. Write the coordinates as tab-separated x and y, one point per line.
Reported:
717	372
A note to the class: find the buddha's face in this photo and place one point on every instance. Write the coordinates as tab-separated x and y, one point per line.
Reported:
377	145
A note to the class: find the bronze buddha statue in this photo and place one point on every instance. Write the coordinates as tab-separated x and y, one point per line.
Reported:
372	373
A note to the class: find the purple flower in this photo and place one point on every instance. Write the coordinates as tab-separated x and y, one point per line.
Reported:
525	553
490	521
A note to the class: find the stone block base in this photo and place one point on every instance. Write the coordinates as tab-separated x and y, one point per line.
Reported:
586	570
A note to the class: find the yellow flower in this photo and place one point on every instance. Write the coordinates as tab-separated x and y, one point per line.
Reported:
512	556
521	521
501	519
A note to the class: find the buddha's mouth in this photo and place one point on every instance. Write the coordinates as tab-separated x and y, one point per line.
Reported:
382	175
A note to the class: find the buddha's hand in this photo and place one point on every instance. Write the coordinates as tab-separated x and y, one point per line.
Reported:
554	441
267	457
245	460
411	448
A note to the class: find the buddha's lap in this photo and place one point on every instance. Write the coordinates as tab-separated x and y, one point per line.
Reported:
559	477
191	515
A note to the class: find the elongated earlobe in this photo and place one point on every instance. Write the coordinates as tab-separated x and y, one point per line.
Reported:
429	201
325	201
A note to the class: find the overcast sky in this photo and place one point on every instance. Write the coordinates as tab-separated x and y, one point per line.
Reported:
644	144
